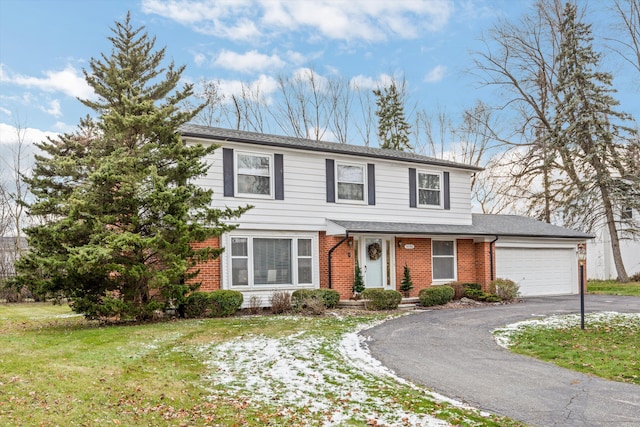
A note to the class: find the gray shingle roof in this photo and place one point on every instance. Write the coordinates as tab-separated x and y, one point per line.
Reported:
483	225
198	131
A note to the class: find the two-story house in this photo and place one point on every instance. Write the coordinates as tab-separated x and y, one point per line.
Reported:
320	206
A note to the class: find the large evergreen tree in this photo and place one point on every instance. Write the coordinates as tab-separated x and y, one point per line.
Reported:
594	146
119	194
393	128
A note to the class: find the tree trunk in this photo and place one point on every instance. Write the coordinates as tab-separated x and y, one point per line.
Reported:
613	234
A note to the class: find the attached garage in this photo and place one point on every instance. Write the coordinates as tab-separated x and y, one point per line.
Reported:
538	270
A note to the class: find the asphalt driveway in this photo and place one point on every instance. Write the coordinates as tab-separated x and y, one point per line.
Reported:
454	353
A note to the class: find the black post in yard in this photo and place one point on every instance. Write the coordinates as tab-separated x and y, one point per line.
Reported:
581	296
582	257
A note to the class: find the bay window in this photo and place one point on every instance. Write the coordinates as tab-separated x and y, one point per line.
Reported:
257	261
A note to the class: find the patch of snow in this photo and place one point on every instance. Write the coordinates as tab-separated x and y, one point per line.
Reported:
334	380
503	335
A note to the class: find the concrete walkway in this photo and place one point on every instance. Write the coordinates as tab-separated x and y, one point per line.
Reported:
454	353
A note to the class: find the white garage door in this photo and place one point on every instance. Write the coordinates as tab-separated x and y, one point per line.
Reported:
538	271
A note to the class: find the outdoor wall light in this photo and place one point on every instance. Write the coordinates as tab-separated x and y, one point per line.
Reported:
400	242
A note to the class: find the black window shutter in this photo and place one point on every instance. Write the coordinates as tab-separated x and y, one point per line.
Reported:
412	188
278	168
445	189
371	183
331	176
227	171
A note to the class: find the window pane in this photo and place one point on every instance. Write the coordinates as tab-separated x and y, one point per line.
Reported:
429	197
304	247
254	184
353	174
271	261
304	270
429	181
443	268
253	165
442	247
350	191
239	272
238	246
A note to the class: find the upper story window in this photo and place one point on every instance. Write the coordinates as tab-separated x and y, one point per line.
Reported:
429	189
351	182
627	213
254	174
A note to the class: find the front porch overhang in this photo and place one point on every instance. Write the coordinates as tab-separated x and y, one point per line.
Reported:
340	227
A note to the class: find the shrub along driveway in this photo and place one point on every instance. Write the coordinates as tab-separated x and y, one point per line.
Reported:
454	353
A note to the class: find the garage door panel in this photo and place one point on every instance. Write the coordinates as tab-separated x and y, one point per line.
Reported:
538	271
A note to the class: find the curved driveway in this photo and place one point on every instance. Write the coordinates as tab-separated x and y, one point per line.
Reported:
453	353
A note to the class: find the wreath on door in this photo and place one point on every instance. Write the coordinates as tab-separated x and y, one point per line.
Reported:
375	251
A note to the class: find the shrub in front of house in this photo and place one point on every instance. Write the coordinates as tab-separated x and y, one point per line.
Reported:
436	295
223	303
196	305
220	303
280	302
506	289
474	291
458	289
329	297
380	299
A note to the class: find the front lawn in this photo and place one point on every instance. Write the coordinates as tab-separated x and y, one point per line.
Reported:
59	369
608	346
611	287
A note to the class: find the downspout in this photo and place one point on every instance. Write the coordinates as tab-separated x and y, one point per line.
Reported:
346	236
491	266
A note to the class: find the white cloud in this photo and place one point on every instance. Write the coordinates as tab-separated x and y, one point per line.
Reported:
54	108
199	59
5	111
365	82
263	85
359	19
436	74
248	62
223	19
369	20
9	134
69	81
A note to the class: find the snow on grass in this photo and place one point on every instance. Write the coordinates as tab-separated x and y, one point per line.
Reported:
332	380
503	335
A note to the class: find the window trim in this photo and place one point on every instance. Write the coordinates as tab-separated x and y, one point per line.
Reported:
365	184
251	286
271	194
441	190
455	261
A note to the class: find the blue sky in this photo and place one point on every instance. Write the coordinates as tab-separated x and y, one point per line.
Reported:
45	45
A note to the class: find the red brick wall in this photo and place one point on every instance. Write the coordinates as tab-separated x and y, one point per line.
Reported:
483	264
419	261
342	264
209	271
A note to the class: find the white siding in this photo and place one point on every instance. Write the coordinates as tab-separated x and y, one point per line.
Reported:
305	207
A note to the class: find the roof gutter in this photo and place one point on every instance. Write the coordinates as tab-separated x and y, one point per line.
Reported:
344	239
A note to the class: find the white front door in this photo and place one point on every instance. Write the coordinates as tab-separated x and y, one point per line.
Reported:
376	261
